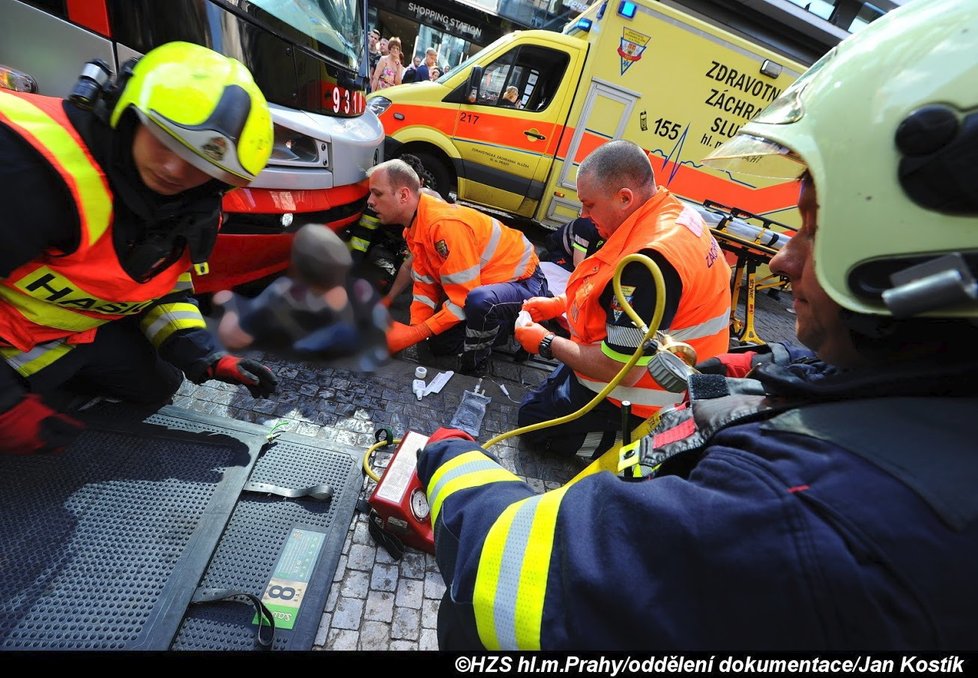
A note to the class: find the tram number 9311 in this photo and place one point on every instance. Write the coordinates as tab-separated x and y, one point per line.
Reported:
345	102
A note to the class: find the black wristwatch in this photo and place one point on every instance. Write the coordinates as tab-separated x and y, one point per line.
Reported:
545	350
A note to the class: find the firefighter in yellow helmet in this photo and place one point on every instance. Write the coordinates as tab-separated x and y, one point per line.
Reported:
824	503
109	199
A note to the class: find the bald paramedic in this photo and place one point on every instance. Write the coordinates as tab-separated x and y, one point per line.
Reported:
617	189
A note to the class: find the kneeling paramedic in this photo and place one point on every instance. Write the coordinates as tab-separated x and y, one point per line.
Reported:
109	201
471	274
826	503
618	192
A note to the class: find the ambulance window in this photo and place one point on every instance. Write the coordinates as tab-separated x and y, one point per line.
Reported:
494	79
537	75
535	72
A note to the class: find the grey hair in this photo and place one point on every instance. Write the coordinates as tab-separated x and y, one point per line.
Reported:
399	173
619	164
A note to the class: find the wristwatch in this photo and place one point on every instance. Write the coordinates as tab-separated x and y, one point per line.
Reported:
544	350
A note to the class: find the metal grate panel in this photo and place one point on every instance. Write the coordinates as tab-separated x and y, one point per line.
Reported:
93	541
259	527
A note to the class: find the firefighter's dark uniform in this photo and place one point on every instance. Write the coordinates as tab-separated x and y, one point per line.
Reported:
840	515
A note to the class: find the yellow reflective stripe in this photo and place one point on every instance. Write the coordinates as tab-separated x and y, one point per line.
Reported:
48	315
511	582
369	222
91	194
37	358
359	244
487	577
465	471
163	320
185	283
623	357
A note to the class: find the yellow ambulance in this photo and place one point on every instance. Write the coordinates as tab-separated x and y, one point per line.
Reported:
507	129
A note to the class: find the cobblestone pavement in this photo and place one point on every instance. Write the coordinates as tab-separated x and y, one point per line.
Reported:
377	603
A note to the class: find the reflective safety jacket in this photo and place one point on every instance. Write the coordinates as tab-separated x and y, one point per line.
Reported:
702	319
457	249
843	519
59	300
362	235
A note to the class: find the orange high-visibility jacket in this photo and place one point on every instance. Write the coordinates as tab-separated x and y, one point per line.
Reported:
702	319
56	296
457	249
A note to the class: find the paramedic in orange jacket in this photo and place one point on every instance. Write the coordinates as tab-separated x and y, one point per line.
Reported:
471	274
617	190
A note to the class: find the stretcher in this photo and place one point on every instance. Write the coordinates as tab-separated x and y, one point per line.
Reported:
753	240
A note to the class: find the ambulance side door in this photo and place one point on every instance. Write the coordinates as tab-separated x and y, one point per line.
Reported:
507	148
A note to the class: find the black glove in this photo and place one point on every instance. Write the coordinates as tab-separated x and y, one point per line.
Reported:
233	370
30	426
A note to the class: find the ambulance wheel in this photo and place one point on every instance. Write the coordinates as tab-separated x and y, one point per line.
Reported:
440	178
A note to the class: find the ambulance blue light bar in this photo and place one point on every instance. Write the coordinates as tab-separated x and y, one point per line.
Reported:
583	25
627	9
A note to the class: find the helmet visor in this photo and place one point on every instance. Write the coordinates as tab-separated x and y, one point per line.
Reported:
221	172
755	155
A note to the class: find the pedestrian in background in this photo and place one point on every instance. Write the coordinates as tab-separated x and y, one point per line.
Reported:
410	73
387	73
373	53
430	61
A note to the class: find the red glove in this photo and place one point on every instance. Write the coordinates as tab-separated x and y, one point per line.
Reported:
449	433
233	370
30	426
545	308
735	365
400	336
531	336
